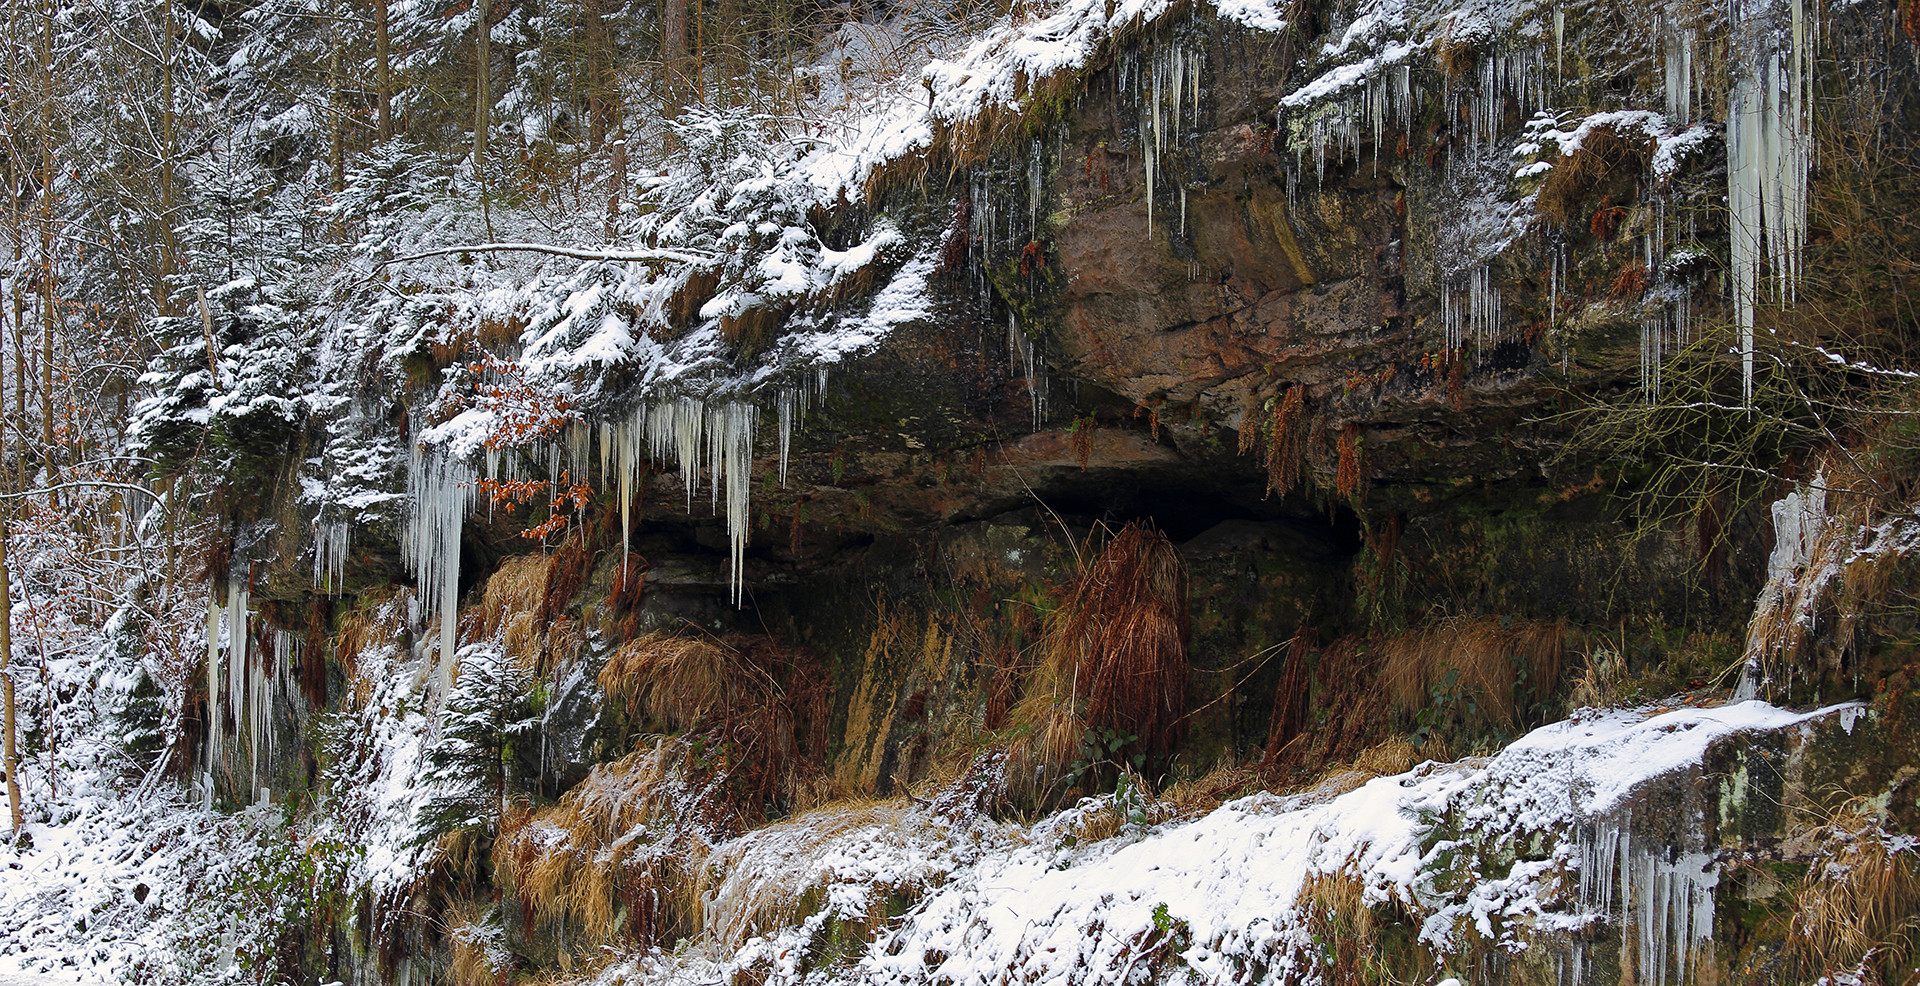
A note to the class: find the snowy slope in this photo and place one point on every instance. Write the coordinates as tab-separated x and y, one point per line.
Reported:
1218	899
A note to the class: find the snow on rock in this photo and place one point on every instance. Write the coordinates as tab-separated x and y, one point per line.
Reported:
1220	895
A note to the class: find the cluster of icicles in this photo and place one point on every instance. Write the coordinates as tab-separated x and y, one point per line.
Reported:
1169	94
245	686
1667	895
1769	151
710	443
1769	154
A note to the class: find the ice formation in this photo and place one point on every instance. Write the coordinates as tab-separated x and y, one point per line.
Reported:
1678	76
441	489
242	686
1336	111
1769	153
1171	92
1665	892
1479	319
710	442
330	541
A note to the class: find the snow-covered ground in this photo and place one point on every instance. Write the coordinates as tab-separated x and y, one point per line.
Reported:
1221	896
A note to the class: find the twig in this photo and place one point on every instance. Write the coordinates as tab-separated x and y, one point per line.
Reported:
640	256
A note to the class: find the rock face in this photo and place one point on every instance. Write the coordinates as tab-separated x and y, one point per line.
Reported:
1309	369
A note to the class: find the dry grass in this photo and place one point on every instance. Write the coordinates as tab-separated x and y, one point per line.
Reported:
1350	476
1503	667
1860	901
1604	155
510	606
1395	755
1114	658
1604	682
1346	934
571	565
772	878
1341	923
1346	674
1193	797
746	696
623	595
477	953
377	623
614	857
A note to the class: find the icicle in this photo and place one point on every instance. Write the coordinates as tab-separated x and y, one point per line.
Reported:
792	403
213	730
1559	42
330	541
1769	152
442	490
238	673
1677	46
1668	895
733	465
1036	177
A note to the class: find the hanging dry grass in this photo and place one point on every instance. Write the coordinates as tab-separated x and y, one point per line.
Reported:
1336	911
1503	666
1344	678
623	596
1603	155
572	564
313	653
477	950
1114	657
376	624
614	858
1291	694
745	695
1859	904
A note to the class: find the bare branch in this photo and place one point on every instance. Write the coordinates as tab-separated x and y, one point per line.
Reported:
638	256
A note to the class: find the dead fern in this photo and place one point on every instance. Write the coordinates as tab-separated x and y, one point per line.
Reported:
1351	473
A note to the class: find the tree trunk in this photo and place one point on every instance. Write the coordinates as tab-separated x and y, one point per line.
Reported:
9	755
49	311
383	68
619	186
169	124
336	113
595	29
673	55
482	94
727	37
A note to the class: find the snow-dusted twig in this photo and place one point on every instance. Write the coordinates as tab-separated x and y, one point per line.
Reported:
642	256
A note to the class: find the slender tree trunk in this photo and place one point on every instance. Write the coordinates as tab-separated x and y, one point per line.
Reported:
9	754
49	296
483	106
482	96
336	111
727	36
619	186
673	54
595	30
383	68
